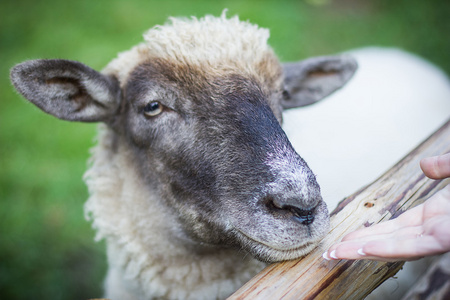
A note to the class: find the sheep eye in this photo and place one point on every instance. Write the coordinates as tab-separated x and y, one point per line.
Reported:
153	108
285	94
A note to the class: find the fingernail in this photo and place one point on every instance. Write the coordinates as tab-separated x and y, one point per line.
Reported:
333	254
325	255
361	252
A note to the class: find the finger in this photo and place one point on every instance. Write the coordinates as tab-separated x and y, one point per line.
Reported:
344	250
402	249
386	250
400	233
376	229
436	167
353	249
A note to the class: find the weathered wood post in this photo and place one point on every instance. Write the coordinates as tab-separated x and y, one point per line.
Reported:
311	277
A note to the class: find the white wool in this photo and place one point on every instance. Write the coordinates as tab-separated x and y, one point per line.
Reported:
218	39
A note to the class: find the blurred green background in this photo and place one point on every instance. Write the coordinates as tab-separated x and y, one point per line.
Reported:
46	246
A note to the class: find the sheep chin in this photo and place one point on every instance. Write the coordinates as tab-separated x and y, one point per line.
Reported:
269	254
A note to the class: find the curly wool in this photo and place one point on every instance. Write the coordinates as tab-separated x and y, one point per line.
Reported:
217	44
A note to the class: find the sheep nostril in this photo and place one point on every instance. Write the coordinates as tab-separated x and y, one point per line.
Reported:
303	216
306	217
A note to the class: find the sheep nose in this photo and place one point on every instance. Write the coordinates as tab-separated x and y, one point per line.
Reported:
300	214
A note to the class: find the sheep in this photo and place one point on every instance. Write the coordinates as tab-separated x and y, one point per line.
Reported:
193	183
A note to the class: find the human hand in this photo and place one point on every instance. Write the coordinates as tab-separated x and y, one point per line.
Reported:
420	231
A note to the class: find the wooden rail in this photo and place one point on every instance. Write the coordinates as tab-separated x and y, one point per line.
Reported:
312	277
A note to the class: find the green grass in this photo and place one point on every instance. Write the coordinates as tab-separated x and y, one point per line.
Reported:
46	247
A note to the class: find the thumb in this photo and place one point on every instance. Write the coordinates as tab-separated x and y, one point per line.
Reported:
436	167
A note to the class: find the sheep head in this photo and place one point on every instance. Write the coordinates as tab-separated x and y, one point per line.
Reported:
199	105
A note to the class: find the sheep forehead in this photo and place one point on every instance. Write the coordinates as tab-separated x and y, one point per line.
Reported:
216	44
208	39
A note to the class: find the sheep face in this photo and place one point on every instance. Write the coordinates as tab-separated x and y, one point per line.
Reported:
204	132
215	148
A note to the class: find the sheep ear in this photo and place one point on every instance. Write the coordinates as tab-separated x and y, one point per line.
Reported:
68	90
310	80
